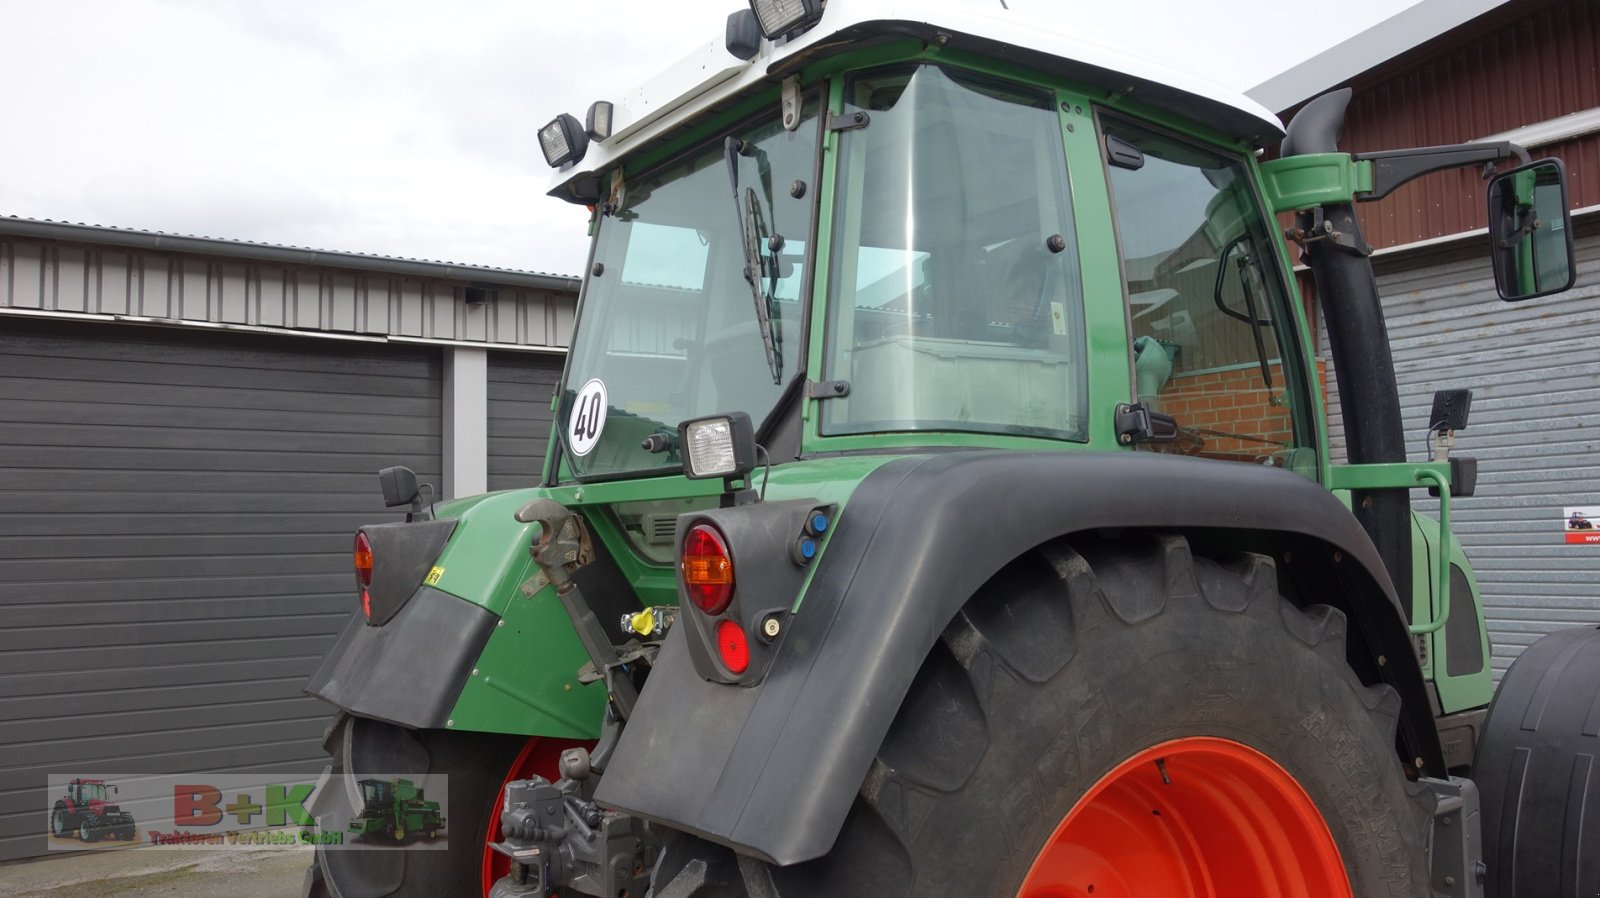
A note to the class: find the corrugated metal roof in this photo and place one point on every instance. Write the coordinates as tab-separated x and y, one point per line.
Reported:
272	252
1386	40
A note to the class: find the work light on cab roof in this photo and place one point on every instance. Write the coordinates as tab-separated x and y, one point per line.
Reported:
781	17
563	140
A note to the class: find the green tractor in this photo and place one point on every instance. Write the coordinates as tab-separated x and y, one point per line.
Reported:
395	809
941	503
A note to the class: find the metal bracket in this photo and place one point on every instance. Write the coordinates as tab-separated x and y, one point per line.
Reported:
791	103
848	122
1137	424
1322	229
1456	862
827	389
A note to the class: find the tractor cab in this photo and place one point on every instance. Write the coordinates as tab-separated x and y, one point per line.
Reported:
946	240
90	793
376	793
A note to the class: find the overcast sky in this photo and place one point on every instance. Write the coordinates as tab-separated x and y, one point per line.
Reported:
408	128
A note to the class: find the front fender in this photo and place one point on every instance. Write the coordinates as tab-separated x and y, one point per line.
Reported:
773	770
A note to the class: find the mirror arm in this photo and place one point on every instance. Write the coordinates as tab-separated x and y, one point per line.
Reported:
1392	168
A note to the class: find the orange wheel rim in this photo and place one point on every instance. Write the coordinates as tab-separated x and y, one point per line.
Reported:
1192	817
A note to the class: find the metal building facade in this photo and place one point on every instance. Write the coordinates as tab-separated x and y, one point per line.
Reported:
1535	429
189	431
1527	71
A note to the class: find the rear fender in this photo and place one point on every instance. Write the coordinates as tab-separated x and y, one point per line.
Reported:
468	648
773	770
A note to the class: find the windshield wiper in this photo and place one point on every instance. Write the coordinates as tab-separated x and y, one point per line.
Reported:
748	211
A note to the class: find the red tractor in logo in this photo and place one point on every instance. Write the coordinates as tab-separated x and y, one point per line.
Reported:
86	811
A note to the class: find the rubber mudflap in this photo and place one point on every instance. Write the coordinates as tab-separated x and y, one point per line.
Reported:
1538	774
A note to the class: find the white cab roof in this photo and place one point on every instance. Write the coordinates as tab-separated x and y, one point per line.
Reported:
709	75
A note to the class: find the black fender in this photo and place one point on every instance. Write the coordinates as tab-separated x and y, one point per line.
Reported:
772	770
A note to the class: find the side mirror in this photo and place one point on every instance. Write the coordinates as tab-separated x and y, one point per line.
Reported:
399	485
1530	231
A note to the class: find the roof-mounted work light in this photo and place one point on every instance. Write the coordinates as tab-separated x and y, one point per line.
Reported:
780	17
718	446
563	141
597	124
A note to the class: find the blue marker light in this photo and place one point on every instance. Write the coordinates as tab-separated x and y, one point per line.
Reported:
819	523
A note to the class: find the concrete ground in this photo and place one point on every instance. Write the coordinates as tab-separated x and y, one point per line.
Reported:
145	872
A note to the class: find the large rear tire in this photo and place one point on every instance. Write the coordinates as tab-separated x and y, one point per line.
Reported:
1051	696
478	766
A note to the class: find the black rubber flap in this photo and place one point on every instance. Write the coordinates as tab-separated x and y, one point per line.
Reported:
410	671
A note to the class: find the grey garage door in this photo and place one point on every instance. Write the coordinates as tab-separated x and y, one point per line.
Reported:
520	384
1534	370
176	511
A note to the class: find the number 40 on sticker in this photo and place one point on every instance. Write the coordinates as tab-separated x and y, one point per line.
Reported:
588	419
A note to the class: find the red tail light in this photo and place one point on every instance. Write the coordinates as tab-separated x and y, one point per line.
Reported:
363	559
733	646
707	569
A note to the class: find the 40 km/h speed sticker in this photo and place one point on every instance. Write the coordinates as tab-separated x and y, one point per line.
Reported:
588	419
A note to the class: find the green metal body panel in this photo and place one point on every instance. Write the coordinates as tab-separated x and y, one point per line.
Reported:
1431	600
1460	693
526	678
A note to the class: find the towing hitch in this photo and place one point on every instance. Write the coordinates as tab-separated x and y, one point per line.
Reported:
556	837
554	833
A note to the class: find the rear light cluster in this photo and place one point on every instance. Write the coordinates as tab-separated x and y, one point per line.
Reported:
708	577
363	562
735	633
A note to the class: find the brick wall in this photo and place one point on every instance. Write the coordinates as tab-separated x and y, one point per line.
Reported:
1235	416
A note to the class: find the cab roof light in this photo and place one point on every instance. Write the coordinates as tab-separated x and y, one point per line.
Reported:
742	38
563	140
780	17
597	123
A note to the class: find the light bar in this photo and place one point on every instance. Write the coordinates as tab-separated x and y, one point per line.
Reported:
563	141
718	446
779	17
597	124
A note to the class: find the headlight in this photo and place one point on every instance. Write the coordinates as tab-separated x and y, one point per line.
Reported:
718	446
563	141
779	17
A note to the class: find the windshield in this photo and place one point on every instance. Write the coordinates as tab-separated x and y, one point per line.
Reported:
955	297
670	326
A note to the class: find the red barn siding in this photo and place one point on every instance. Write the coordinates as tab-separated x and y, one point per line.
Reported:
1526	62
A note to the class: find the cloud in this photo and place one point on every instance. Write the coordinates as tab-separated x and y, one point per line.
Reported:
387	126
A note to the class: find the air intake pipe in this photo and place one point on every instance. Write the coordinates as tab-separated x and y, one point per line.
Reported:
1358	339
